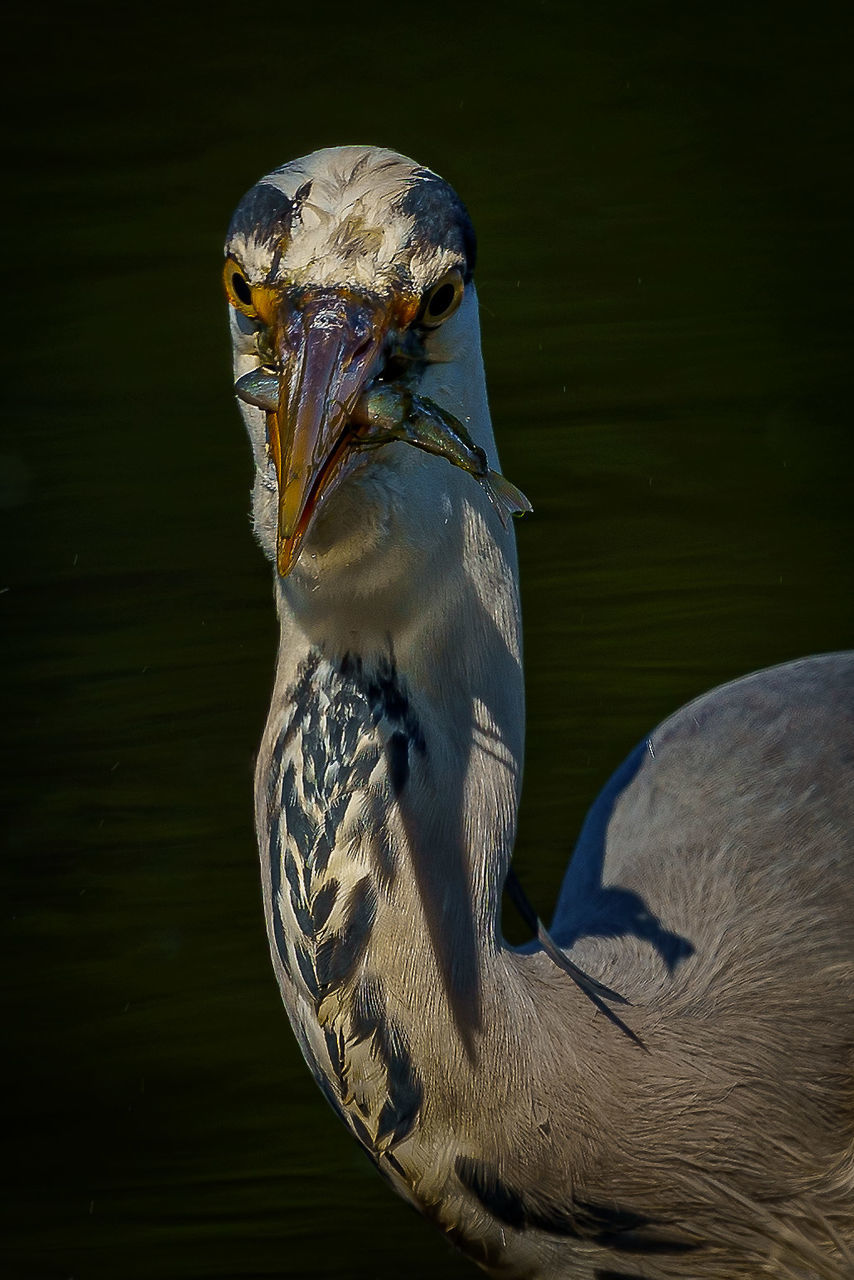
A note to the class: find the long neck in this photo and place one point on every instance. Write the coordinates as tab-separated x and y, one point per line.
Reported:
402	622
389	777
387	791
400	730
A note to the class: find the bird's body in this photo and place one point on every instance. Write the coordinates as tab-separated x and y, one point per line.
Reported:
709	1130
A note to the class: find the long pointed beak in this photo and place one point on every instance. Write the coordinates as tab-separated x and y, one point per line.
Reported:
327	345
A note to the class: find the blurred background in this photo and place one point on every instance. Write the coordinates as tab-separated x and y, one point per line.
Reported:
663	195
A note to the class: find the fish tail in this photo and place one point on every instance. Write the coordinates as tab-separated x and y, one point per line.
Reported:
504	496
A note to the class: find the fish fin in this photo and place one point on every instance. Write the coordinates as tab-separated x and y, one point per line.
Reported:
504	496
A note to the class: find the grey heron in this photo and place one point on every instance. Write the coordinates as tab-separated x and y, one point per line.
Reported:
705	1128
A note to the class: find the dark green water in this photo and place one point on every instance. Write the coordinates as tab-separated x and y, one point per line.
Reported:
664	202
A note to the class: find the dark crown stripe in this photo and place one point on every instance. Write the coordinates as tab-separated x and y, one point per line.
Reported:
441	219
264	213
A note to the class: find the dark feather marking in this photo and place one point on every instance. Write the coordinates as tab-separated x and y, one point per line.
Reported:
610	1218
405	1095
338	956
360	1130
306	968
398	761
392	1045
395	1164
350	667
361	165
388	700
651	1243
334	1049
383	854
350	730
323	902
302	916
300	196
398	1120
300	828
384	693
387	694
275	855
318	859
367	1009
332	772
328	1092
315	751
273	799
610	1227
264	213
298	694
292	874
599	1274
625	1230
289	795
275	839
441	219
493	1194
276	755
309	782
335	816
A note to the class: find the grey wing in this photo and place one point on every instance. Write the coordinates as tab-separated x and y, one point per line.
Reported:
730	826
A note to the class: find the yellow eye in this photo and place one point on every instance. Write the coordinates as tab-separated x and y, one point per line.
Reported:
442	300
238	290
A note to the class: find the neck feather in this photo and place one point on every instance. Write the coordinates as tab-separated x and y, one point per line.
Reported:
387	792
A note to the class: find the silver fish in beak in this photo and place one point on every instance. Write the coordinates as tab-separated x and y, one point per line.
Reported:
391	411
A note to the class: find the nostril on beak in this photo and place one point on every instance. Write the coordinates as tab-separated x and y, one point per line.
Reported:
362	336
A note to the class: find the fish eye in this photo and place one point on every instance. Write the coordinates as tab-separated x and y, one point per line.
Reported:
442	300
238	290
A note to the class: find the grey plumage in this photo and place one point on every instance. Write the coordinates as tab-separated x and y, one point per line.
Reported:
713	882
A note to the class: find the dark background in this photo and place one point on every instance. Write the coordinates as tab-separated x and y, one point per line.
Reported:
663	197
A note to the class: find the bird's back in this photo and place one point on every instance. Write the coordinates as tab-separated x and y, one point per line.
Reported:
713	885
728	833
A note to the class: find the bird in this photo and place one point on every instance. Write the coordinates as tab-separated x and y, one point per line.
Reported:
660	1084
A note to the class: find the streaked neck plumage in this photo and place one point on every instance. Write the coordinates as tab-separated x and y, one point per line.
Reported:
409	572
389	778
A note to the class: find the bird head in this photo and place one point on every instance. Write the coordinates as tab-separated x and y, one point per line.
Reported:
345	268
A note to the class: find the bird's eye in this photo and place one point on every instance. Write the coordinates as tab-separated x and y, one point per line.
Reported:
241	288
443	299
238	290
